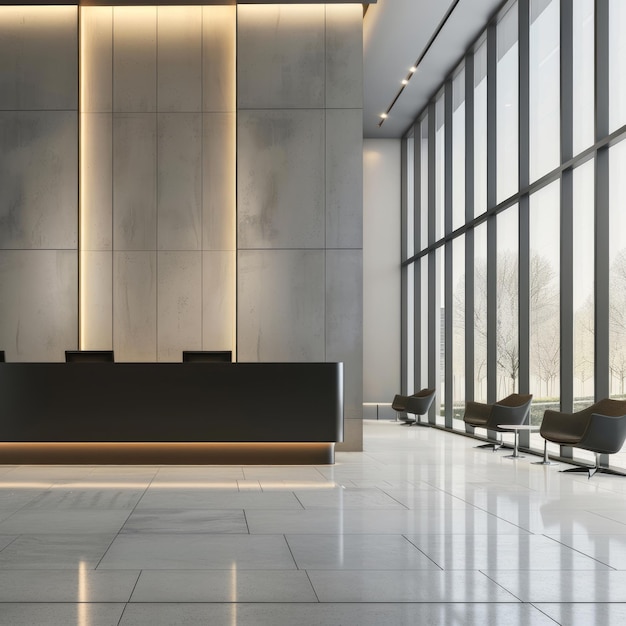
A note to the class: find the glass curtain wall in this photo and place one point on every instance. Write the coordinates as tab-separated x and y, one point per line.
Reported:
480	313
409	165
480	129
507	105
617	64
507	303
544	87
520	274
458	329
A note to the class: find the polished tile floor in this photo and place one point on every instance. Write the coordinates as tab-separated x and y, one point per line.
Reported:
420	528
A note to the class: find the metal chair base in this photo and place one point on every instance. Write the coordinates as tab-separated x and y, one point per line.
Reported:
494	446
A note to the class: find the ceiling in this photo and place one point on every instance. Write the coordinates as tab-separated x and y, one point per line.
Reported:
395	35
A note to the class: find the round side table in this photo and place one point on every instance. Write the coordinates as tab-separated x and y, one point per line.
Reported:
546	460
515	429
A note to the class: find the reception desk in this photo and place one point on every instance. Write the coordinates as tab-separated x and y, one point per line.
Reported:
215	413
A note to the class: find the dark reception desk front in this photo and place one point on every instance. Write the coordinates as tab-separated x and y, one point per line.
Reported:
170	412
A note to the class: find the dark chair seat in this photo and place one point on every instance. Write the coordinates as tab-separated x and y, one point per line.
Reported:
513	409
419	404
600	428
416	404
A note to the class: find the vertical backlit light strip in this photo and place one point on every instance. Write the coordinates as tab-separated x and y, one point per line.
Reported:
81	183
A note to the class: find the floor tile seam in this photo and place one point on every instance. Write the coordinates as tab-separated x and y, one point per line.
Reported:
132	591
15	538
506	521
424	553
119	622
72	602
495	582
542	612
117	534
306	571
404	506
296	602
319	471
298	500
291	552
599	514
593	558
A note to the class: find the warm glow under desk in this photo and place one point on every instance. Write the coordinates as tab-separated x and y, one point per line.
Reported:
170	412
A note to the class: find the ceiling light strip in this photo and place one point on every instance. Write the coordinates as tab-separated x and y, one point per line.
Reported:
414	67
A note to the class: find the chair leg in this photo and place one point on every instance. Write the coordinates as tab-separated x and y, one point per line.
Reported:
418	422
596	469
494	446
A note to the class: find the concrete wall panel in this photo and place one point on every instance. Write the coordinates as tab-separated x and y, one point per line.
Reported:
280	303
134	181
280	56
179	304
38	52
218	58
38	304
96	295
97	181
218	300
179	181
219	181
97	60
344	178
344	56
134	306
179	58
38	179
135	59
280	179
344	323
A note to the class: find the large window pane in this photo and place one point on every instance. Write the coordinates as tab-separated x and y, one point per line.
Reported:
584	324
507	87
458	150
480	313
440	165
441	331
458	329
545	353
617	278
423	313
410	197
424	183
544	87
410	334
617	64
507	298
584	54
480	130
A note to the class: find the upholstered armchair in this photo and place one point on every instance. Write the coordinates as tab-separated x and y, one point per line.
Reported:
513	409
419	404
416	404
600	428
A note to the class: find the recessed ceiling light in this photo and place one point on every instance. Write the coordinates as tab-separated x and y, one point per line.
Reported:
383	115
405	81
412	69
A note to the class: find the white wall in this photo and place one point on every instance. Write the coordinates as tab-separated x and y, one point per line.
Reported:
381	270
